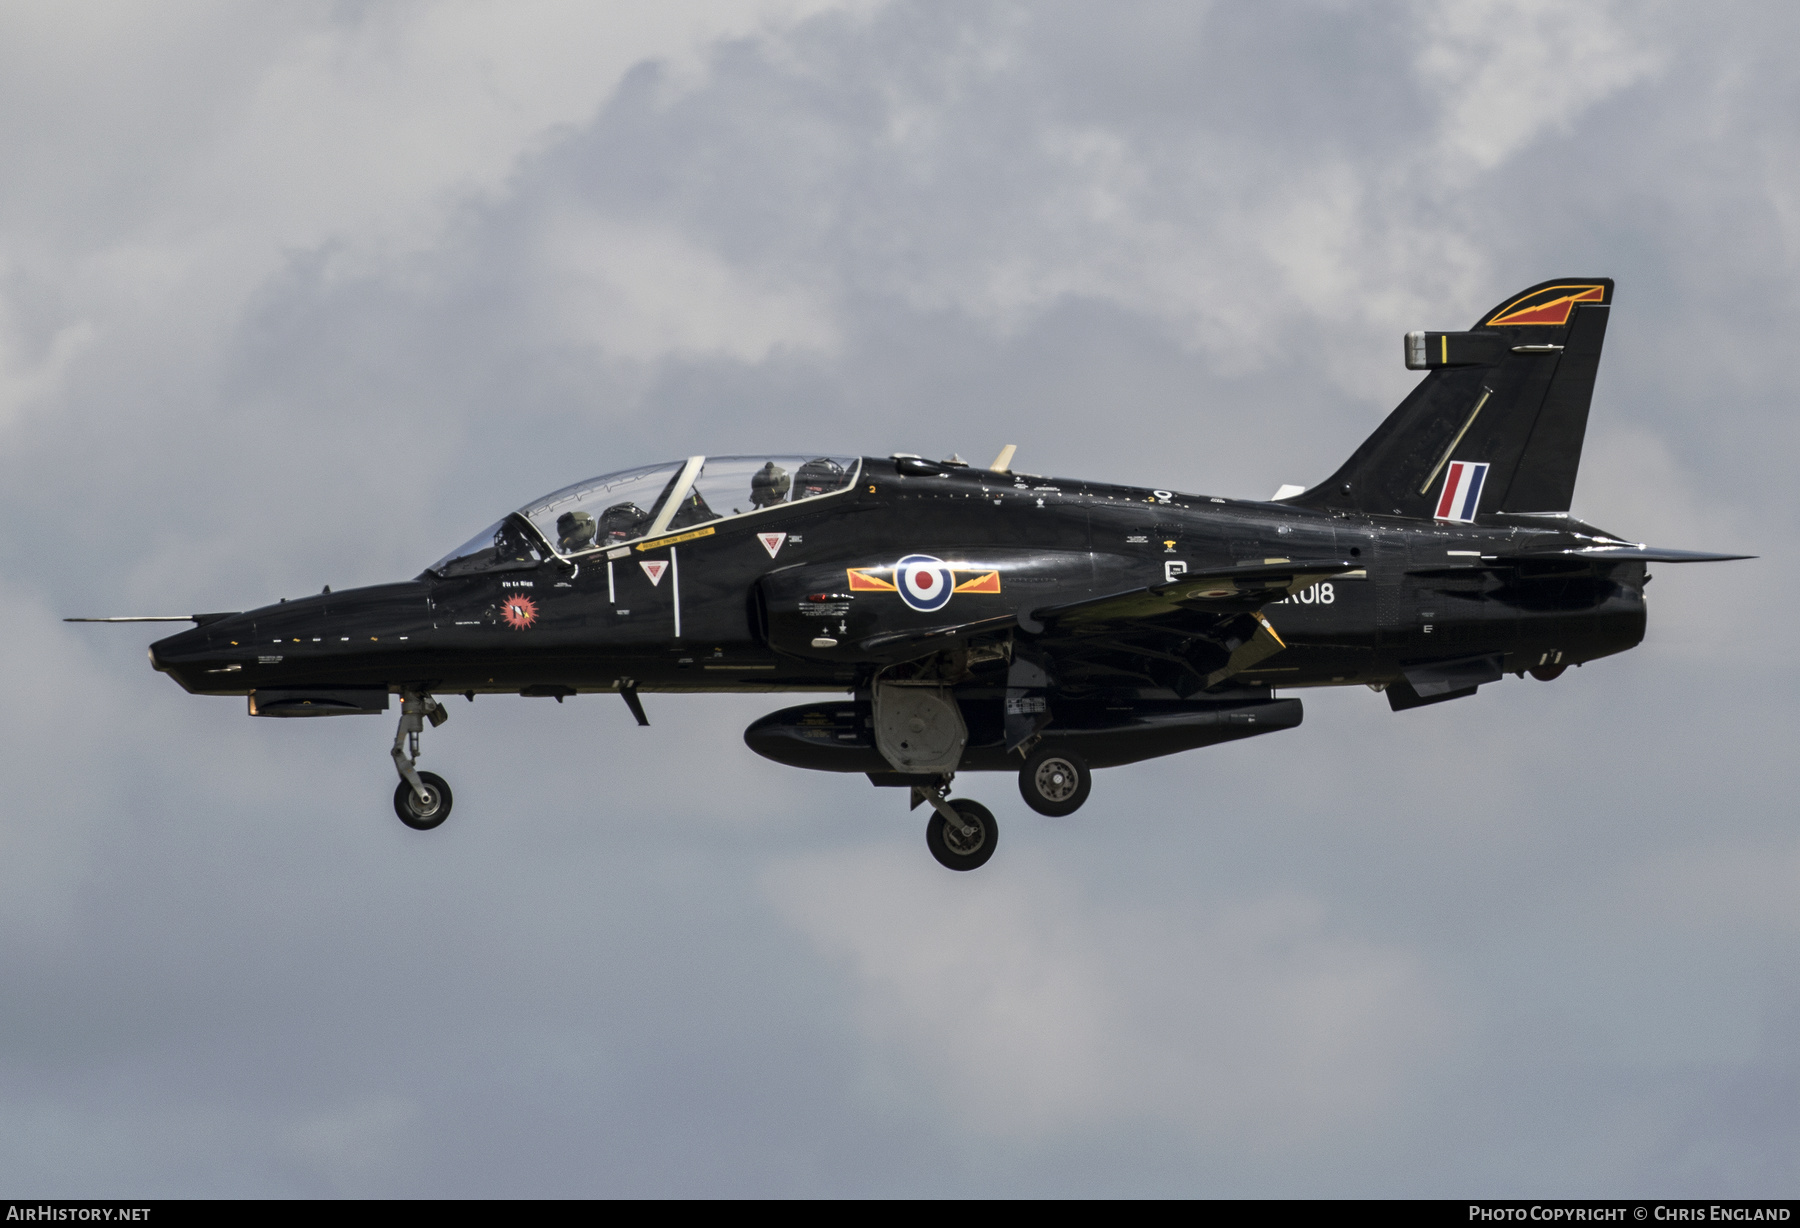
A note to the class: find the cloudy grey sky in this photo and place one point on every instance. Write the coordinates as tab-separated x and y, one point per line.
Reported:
305	294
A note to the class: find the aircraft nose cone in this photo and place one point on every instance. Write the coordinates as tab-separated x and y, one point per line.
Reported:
174	649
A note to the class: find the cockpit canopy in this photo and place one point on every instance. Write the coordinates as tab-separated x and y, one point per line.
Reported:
619	508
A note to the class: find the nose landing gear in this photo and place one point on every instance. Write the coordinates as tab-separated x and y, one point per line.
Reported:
423	813
961	834
422	799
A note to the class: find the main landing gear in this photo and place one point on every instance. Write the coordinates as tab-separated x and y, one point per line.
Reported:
1055	782
1549	667
423	798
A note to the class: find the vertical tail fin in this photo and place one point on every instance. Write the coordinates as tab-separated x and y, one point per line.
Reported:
1496	425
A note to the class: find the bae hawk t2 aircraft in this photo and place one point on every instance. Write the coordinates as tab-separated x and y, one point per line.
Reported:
955	620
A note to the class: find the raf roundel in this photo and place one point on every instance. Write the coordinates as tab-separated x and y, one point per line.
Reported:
925	583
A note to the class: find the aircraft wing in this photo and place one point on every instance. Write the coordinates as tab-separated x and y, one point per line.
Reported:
1205	626
1223	591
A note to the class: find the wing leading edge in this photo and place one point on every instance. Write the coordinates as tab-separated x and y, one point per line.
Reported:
1221	591
1207	624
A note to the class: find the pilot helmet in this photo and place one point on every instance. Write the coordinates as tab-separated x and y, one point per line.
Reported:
819	476
768	485
622	521
574	531
512	544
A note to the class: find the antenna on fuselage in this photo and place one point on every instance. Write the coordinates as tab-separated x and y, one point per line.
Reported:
1003	462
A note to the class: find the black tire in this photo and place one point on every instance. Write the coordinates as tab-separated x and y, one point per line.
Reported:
1055	782
433	812
951	848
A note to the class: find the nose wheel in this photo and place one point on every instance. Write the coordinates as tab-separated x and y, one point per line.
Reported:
967	843
423	798
423	813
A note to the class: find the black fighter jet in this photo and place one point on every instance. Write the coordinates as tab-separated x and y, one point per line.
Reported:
989	620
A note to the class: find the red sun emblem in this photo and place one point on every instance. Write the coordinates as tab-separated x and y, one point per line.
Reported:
519	612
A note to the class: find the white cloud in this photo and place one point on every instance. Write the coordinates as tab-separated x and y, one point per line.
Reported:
644	291
1232	237
326	124
26	378
1030	1010
373	130
211	144
1507	71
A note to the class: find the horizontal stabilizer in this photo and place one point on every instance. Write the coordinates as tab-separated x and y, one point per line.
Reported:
1622	553
1639	552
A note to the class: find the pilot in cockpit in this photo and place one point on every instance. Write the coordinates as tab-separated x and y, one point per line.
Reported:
818	477
692	510
769	486
574	532
621	522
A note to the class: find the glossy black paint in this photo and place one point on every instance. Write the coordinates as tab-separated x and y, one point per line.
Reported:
1127	622
748	623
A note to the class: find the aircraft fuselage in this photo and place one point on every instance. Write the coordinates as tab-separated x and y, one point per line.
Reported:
727	607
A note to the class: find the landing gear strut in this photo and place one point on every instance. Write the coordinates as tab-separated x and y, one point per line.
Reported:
961	834
423	798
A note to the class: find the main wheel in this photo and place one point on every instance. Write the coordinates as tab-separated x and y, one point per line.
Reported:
423	816
955	850
1055	782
